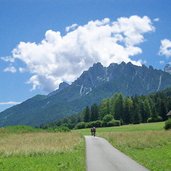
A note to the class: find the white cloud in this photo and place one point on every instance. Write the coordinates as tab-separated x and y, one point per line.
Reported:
9	103
60	58
72	27
165	48
7	58
161	62
22	70
156	19
143	61
11	69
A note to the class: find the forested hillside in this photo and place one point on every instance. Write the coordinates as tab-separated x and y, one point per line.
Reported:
120	109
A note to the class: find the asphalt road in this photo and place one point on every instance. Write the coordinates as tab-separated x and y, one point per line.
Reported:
102	156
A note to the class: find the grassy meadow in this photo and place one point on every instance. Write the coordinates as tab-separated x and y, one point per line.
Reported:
24	148
29	149
148	144
126	128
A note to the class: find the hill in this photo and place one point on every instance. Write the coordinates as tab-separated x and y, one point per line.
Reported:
119	110
91	87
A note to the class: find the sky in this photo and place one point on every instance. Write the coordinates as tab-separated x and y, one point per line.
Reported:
46	42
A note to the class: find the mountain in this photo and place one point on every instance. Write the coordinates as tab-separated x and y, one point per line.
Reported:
91	87
62	86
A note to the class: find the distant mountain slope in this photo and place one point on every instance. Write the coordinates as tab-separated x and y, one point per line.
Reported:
91	87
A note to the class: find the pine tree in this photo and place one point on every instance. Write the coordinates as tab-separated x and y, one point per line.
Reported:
112	104
162	105
154	113
94	112
86	114
104	108
127	110
118	107
108	106
147	109
142	111
136	111
163	109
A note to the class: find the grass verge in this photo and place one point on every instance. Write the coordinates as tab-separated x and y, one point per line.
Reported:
148	144
151	148
41	151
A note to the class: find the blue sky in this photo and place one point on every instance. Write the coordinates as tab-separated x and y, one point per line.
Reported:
29	21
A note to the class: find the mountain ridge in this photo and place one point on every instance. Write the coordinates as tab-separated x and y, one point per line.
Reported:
93	85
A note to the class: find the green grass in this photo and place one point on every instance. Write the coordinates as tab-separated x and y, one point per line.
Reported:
148	144
29	149
150	148
156	158
126	128
25	148
72	160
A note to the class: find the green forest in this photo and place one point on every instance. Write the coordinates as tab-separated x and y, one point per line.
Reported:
120	110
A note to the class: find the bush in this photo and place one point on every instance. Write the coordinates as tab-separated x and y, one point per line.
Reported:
97	124
59	129
168	124
62	129
156	119
107	118
80	125
114	123
89	125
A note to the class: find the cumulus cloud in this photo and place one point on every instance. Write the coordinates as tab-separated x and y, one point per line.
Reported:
11	69
9	103
60	58
165	48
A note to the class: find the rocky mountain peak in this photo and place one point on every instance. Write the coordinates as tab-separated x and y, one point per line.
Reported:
63	85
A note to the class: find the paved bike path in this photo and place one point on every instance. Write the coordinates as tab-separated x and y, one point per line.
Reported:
102	156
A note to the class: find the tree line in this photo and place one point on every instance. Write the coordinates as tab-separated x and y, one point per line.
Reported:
120	109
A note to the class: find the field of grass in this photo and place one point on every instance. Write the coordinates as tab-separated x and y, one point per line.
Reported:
127	128
27	149
150	148
24	148
149	144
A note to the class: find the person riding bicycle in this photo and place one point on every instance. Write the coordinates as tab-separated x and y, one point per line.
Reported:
93	131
